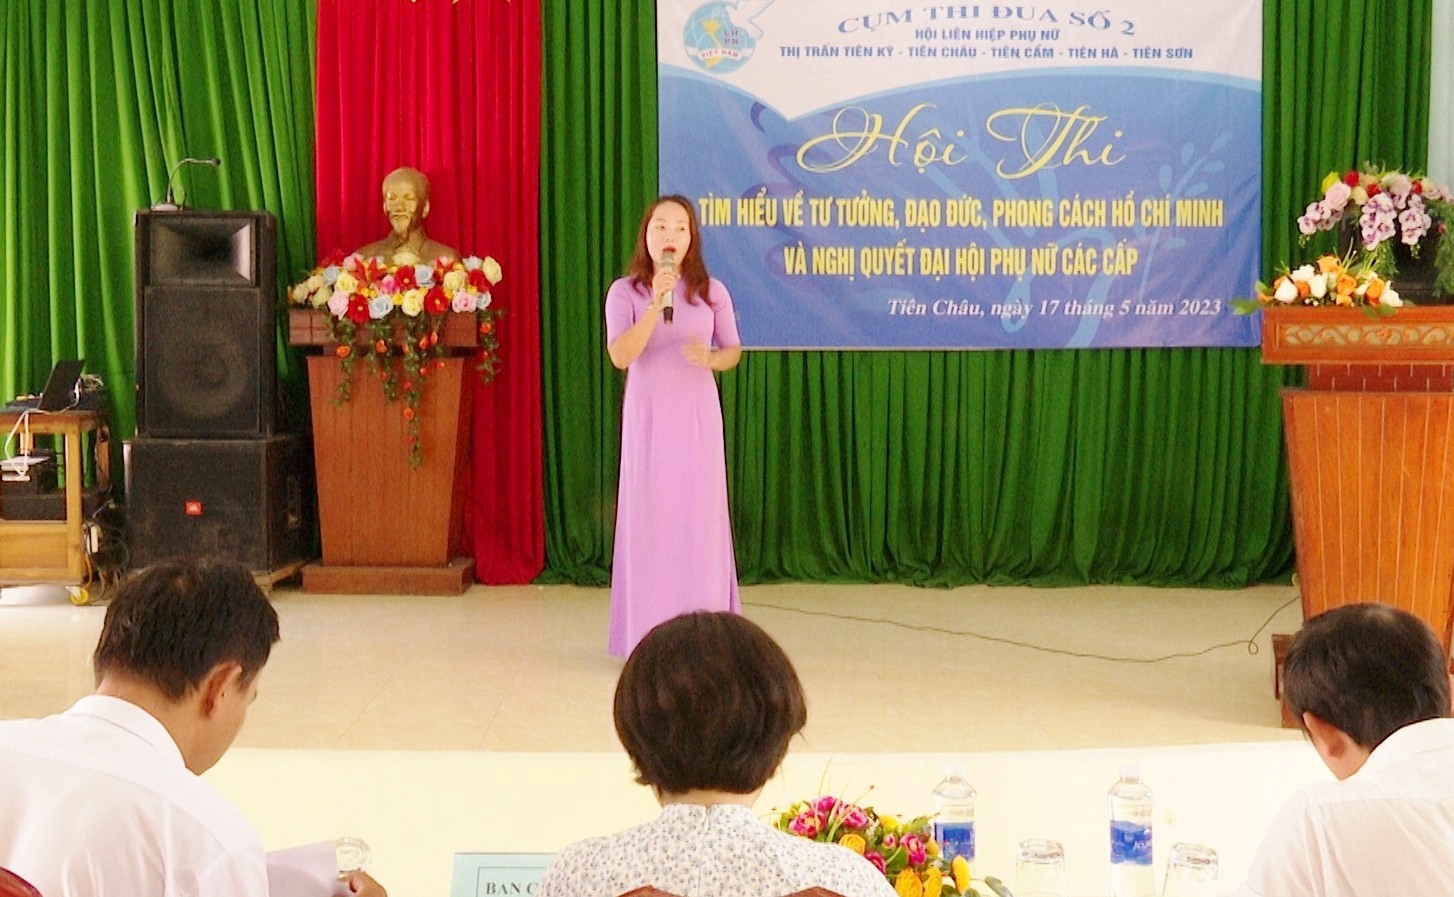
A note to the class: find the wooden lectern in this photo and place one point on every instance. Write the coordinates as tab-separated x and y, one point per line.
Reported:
1370	445
386	527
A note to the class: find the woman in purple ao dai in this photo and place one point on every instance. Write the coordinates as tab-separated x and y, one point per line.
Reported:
670	327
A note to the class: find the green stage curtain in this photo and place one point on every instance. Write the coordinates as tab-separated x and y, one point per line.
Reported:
1149	466
101	97
598	172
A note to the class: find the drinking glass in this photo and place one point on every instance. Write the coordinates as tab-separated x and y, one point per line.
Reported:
1191	871
1039	868
353	854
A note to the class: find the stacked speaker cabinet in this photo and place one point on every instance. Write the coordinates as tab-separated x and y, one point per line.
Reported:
207	473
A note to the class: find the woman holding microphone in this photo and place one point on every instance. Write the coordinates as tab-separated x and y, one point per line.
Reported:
670	326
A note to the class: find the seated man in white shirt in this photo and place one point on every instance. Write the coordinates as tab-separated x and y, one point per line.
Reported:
1370	684
106	798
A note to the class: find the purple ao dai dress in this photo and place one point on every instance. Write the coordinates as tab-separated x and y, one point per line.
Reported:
673	551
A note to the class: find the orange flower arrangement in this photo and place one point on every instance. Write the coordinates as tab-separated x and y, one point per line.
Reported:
1328	281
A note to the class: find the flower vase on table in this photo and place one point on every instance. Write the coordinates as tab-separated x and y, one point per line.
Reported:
904	851
1393	223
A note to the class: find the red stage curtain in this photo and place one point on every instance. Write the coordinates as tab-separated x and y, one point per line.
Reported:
452	87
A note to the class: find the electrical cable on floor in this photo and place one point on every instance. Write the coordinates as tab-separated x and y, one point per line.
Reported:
1250	642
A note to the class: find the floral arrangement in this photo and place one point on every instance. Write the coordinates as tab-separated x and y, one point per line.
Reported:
905	852
401	307
1328	281
1386	208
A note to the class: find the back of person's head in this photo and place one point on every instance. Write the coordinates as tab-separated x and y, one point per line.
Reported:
170	624
1368	669
708	701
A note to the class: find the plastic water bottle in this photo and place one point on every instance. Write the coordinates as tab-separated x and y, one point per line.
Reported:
954	815
1131	836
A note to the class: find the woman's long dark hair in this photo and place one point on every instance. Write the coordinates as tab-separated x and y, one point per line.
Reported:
690	267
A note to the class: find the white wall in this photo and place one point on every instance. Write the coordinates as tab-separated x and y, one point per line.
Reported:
1441	95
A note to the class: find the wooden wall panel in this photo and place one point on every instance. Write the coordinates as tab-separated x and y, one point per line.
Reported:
1373	499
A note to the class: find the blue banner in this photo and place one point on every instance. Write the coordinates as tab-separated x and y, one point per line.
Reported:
969	176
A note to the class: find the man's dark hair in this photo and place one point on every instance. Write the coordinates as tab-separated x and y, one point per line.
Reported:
1369	669
708	701
171	623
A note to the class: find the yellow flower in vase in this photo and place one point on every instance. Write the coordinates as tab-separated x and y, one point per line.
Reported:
456	280
933	882
908	884
961	872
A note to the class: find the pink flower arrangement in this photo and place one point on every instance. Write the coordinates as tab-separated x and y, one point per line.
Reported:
1384	204
1384	209
807	824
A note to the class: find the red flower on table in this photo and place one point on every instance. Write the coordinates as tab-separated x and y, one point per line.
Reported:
404	275
435	302
478	281
373	270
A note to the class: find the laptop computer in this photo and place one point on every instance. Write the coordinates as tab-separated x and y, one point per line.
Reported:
62	389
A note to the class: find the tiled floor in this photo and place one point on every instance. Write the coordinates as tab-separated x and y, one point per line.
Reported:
885	667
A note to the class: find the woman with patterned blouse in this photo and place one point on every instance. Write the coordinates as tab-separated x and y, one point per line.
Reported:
705	708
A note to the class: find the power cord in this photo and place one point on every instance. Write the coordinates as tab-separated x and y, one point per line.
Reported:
1250	642
107	558
22	425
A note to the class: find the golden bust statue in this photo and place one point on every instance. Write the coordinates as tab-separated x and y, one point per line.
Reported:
406	203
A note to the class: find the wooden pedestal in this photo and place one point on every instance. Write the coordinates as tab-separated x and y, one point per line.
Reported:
1371	456
451	579
386	527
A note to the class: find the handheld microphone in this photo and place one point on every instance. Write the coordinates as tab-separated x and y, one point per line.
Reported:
669	266
170	204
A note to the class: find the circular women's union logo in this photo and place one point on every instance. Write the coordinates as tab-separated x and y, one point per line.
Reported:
721	36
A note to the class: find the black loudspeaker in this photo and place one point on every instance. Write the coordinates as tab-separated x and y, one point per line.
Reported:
206	344
248	500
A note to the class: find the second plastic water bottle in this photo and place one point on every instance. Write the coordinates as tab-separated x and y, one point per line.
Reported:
954	815
1131	836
